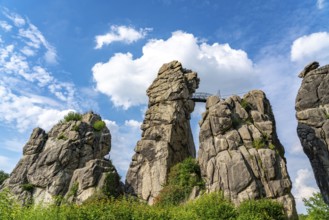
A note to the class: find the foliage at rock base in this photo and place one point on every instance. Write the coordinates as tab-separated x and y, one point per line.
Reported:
208	207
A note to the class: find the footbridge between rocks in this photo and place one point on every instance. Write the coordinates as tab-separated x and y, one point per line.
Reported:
200	96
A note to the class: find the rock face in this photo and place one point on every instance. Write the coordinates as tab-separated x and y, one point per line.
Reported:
312	113
166	137
68	162
240	153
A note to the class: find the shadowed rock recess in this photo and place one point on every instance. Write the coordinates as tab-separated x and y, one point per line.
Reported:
312	113
67	161
166	137
240	153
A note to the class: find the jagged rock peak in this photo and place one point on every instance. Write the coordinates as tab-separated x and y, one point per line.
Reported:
166	133
312	113
70	155
240	153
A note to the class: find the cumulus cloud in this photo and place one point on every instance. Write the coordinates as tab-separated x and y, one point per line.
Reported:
125	79
320	4
303	186
311	47
123	34
124	139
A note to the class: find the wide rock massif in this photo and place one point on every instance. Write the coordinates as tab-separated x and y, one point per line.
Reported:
67	161
240	153
166	137
312	112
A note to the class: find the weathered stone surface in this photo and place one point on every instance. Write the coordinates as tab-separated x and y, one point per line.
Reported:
242	155
312	104
71	153
166	137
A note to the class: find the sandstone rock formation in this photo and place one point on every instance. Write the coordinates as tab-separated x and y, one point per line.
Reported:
312	113
67	161
240	153
166	137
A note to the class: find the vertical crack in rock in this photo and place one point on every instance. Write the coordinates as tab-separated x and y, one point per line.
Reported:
166	137
312	113
70	156
249	157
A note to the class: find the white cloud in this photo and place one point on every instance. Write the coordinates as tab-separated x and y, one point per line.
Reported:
15	145
303	186
26	112
320	4
124	139
133	123
14	17
5	26
6	164
35	39
311	47
125	79
124	34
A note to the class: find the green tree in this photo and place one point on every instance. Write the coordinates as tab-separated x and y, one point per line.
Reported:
316	208
3	176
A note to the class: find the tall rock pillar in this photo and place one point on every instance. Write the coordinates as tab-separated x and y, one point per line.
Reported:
166	137
240	153
312	113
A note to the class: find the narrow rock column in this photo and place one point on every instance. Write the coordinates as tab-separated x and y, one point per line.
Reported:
312	113
167	137
240	153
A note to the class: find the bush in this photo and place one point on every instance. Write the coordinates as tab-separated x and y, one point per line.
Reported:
27	187
3	176
181	180
99	125
72	116
213	206
263	209
112	185
245	105
258	143
316	208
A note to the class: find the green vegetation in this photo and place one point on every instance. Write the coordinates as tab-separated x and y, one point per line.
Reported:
72	116
3	176
208	207
259	143
112	186
246	105
261	210
76	128
316	208
99	125
62	137
27	187
181	180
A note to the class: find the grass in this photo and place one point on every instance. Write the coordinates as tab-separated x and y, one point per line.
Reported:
208	207
99	125
72	116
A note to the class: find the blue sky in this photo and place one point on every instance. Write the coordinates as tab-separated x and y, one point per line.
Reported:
58	56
